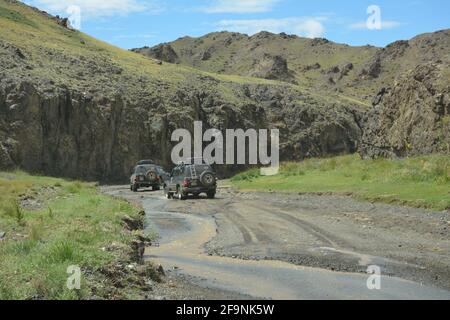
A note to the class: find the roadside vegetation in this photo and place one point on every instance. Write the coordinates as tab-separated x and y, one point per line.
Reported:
422	182
49	224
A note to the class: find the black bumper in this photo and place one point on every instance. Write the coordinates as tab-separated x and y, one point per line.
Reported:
194	190
147	184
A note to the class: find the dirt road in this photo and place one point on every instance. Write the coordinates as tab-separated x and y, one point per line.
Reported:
299	246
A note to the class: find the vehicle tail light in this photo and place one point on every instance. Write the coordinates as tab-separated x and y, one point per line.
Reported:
186	183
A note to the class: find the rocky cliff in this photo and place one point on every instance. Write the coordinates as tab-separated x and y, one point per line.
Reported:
67	133
412	117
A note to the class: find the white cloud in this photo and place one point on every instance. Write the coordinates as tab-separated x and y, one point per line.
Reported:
307	27
387	24
240	6
98	8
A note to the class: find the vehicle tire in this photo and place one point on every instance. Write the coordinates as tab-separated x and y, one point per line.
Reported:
208	179
156	188
180	195
167	193
152	175
196	195
211	195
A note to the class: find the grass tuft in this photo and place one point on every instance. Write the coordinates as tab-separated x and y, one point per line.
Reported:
63	251
12	209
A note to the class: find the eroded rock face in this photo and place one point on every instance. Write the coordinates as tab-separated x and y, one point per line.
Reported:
412	117
272	68
67	133
163	52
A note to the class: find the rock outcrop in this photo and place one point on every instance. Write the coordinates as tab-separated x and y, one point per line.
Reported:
163	52
272	68
412	117
66	133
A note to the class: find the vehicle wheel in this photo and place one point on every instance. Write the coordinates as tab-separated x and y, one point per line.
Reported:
207	179
169	195
180	195
196	195
156	188
211	195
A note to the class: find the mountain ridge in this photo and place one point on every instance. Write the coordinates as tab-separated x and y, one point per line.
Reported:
317	63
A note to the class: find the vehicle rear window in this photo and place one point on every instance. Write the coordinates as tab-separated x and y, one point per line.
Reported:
199	168
144	169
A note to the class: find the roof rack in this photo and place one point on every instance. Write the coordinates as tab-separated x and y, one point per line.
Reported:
145	162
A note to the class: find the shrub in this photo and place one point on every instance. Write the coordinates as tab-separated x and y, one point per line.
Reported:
74	188
248	175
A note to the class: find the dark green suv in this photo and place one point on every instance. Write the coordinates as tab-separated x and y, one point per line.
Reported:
191	179
146	176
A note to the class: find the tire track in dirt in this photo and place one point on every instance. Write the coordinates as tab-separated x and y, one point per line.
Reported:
246	233
310	228
183	249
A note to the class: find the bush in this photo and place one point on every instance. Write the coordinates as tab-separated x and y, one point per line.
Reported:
247	176
74	188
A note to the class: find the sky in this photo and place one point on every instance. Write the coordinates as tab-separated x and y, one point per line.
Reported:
137	23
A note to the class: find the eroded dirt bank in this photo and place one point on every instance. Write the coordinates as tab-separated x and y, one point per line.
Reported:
286	246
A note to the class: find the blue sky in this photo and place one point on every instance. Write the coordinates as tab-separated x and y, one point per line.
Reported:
135	23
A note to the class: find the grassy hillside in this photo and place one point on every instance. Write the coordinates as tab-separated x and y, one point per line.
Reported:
418	182
52	55
56	56
51	224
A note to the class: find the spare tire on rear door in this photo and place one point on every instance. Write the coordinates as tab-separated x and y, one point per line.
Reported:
208	179
152	175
